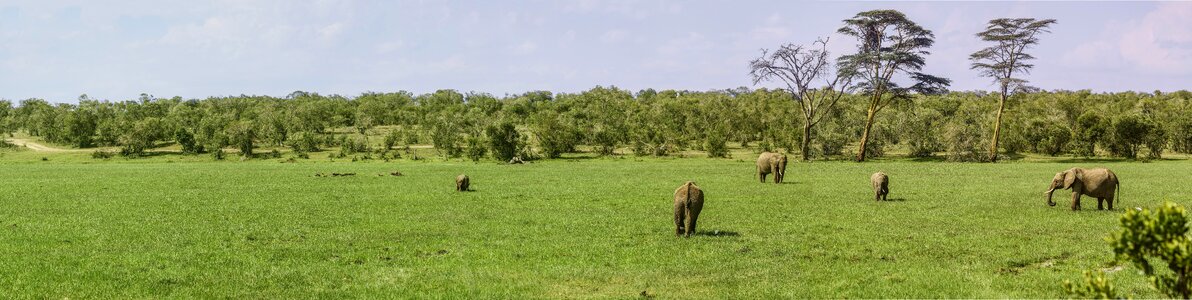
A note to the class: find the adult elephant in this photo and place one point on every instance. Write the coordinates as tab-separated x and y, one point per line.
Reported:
770	162
1099	183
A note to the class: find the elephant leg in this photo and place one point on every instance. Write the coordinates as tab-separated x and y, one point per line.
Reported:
692	216
1109	201
884	196
1075	201
761	176
1100	203
680	216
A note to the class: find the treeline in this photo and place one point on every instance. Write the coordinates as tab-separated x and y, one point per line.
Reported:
611	121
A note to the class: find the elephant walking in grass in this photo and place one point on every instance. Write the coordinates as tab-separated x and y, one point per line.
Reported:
881	186
768	163
689	200
462	182
1099	183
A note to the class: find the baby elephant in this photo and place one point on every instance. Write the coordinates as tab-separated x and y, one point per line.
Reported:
461	183
881	186
689	200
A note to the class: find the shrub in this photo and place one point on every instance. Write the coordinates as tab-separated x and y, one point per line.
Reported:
353	145
1181	134
1090	129
1047	137
1160	237
100	154
476	149
920	133
504	140
965	141
391	139
1129	133
1094	286
218	154
714	144
303	142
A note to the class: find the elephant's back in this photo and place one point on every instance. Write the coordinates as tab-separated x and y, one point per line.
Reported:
763	160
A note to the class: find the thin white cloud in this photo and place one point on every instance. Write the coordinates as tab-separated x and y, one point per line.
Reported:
1159	43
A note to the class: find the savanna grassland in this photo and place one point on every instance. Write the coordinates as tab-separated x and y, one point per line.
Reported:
185	226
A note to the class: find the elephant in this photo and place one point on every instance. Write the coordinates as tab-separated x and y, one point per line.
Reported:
461	183
881	186
1099	183
689	200
770	162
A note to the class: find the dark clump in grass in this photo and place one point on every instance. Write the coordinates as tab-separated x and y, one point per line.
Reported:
100	154
43	158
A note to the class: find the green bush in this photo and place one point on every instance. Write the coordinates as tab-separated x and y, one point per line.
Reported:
1130	132
1181	134
1094	286
504	140
1090	130
714	144
1158	238
100	154
476	149
1047	137
920	132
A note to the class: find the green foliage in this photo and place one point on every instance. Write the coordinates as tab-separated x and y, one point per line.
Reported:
242	134
476	149
302	142
352	145
1048	137
505	141
392	139
1181	134
1158	237
1091	129
555	137
605	119
714	144
1130	132
143	135
100	154
920	131
888	44
1094	286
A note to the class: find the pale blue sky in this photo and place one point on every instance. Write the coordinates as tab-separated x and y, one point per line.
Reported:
116	50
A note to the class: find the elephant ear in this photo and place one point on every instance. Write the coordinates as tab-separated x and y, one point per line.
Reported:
1072	176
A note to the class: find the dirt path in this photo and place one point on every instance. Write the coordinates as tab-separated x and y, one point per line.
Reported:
39	147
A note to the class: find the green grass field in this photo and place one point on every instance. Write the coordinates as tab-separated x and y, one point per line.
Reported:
181	226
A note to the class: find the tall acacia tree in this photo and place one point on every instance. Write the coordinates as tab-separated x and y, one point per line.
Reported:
1007	58
888	44
800	69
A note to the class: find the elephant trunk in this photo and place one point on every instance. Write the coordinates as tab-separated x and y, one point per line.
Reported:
1050	191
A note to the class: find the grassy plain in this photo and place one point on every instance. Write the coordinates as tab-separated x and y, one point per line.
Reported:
186	226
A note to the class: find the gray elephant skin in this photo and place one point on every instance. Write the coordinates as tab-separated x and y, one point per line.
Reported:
771	163
1098	183
462	182
881	185
689	200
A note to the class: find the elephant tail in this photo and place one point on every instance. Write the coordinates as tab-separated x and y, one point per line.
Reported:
687	202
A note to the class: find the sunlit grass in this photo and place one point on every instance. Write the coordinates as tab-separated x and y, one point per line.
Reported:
184	226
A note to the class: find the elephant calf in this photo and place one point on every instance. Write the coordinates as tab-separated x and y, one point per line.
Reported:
461	183
1099	183
881	186
770	162
689	200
